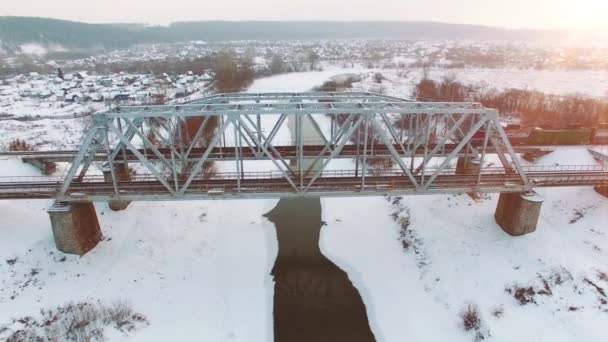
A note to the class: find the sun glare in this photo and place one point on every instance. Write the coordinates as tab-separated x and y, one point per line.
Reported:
579	14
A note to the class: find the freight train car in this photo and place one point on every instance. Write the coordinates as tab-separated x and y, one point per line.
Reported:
539	136
582	136
601	135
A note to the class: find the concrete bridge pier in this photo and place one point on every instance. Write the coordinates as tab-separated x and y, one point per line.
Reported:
46	167
122	175
75	227
518	213
468	166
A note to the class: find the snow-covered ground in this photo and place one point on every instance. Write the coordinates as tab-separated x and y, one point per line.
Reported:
201	270
458	255
402	82
45	124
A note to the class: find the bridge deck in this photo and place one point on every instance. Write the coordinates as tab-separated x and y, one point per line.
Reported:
229	153
273	184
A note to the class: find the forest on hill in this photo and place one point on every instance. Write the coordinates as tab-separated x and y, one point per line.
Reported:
15	31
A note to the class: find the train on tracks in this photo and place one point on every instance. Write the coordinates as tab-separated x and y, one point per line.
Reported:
539	136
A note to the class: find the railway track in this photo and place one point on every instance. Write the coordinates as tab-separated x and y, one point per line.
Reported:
230	153
146	187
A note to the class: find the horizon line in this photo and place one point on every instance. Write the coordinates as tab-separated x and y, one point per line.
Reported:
598	30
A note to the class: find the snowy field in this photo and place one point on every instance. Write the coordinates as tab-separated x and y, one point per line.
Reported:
402	82
201	270
47	124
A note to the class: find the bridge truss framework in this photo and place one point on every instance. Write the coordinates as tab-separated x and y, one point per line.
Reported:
397	147
174	153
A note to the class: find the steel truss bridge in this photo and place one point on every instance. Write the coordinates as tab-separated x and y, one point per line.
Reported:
339	144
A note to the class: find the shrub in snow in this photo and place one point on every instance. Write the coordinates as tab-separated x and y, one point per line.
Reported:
378	77
19	145
470	318
75	322
549	281
523	295
471	321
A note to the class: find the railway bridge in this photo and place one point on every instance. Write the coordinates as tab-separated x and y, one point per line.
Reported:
272	145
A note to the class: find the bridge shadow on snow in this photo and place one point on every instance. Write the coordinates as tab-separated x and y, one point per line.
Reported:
313	298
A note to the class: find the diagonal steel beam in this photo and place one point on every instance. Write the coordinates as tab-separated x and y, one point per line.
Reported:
147	142
334	138
129	135
315	125
268	145
441	143
90	157
393	151
141	158
164	140
336	151
275	129
197	136
84	148
459	147
265	150
198	166
510	150
393	133
474	150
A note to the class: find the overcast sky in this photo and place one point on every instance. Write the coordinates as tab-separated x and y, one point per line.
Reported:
576	14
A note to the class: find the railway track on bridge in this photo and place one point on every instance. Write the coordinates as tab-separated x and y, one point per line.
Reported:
331	183
230	153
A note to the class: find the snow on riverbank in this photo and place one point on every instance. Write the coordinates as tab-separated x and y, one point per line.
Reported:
196	270
453	254
200	270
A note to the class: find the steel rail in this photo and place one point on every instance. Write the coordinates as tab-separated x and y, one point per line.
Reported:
259	185
228	153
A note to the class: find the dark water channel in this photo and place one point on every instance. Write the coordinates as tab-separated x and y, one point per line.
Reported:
314	301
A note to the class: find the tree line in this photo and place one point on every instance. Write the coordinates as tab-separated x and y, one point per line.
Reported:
535	108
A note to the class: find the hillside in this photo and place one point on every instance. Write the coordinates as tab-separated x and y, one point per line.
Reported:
17	31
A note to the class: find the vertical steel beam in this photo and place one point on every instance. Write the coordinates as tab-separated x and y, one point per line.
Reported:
78	159
110	161
483	151
300	149
364	163
237	150
259	131
173	166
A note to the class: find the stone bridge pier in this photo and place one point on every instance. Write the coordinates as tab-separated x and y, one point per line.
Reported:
467	165
602	190
123	174
517	213
75	226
